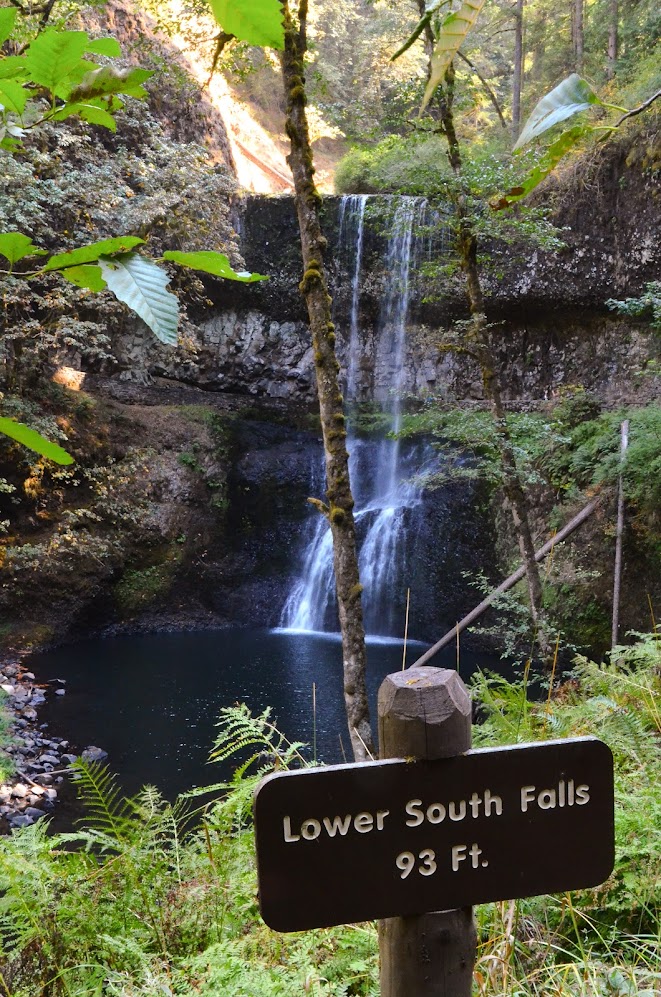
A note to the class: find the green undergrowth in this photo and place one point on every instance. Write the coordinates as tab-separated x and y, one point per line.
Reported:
565	454
6	764
152	899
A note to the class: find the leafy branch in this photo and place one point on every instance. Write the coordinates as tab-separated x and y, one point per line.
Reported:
53	79
572	96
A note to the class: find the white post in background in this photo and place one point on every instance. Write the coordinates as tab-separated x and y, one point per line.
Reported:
617	583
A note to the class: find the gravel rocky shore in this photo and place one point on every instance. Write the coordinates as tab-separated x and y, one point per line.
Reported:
40	762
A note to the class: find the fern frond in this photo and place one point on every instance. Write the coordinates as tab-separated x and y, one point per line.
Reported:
107	809
239	731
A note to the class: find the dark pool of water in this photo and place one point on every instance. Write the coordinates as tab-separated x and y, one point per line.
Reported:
153	701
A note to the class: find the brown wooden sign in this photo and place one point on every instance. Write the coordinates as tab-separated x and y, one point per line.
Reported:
395	838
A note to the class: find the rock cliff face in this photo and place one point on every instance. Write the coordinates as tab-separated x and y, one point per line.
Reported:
553	326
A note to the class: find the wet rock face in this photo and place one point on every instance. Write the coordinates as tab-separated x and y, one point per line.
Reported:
270	522
251	352
277	468
552	322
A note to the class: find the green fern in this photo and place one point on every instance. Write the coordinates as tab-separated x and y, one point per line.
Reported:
105	806
239	731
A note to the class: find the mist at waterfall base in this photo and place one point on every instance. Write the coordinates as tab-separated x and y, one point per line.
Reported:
392	517
152	701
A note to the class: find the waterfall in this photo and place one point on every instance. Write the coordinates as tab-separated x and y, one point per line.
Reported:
380	473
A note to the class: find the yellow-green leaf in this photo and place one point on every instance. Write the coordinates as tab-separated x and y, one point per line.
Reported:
105	46
213	263
7	21
258	22
453	31
91	113
108	80
13	96
555	152
89	277
33	440
91	253
54	55
14	246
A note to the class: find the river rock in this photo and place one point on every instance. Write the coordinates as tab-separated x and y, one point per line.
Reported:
60	692
29	713
48	759
20	820
8	688
69	759
94	754
11	670
20	790
34	812
29	675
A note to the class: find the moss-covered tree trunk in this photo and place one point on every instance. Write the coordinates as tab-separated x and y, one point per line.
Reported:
314	288
480	344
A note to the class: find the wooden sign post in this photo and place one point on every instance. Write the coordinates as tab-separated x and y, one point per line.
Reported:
426	713
419	837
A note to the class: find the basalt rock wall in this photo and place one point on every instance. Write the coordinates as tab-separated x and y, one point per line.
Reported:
553	329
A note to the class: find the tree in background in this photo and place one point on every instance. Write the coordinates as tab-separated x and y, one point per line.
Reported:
445	36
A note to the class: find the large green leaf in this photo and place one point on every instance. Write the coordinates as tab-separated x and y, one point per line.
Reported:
13	68
546	165
91	253
7	21
14	246
258	22
91	113
453	31
213	263
54	56
568	98
89	277
13	96
142	285
105	46
33	440
108	80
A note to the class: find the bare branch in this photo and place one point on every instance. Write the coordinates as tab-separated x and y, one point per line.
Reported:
490	93
221	41
638	110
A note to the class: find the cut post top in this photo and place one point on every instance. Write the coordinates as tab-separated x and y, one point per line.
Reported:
424	712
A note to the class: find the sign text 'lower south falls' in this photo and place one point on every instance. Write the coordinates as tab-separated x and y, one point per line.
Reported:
394	838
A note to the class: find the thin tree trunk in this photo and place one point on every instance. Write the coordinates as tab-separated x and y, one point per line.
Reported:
617	578
613	39
577	34
479	336
315	290
517	78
